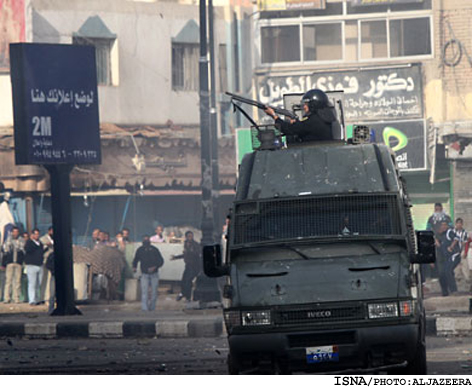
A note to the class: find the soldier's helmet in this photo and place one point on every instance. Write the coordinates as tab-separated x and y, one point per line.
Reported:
315	99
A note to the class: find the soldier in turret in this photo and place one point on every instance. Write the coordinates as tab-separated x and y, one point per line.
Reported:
316	125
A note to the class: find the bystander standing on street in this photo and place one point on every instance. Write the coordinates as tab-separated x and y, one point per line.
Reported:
434	225
445	242
52	282
126	236
34	266
12	262
459	246
192	256
48	245
95	238
150	260
159	236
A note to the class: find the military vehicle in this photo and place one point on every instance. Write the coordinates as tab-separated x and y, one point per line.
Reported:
322	262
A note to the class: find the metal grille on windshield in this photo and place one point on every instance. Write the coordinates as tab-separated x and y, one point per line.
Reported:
316	217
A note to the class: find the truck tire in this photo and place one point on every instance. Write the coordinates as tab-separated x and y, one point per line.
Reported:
418	365
232	367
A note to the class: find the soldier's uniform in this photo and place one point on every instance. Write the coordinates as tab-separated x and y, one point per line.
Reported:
314	127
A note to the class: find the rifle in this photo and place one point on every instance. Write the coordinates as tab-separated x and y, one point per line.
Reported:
262	106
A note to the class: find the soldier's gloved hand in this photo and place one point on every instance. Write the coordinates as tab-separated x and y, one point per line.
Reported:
269	111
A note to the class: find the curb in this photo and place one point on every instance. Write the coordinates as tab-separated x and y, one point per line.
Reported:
449	326
149	329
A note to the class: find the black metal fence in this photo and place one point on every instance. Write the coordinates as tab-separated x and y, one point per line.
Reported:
316	217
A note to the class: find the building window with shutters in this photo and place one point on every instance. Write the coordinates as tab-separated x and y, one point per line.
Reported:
102	56
185	66
95	33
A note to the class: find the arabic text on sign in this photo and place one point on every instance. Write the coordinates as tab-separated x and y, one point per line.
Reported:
60	97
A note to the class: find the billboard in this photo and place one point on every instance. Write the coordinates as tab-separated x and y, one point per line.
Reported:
369	95
55	104
12	28
407	139
281	5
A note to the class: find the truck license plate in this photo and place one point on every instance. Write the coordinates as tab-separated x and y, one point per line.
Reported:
322	354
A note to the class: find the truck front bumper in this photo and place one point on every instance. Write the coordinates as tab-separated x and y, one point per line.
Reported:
363	348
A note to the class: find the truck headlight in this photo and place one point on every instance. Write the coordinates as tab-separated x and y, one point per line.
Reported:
383	310
255	318
232	319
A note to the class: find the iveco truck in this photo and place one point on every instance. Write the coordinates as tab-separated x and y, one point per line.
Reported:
322	263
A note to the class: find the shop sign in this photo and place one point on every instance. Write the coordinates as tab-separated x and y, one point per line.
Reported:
55	104
369	95
282	5
407	139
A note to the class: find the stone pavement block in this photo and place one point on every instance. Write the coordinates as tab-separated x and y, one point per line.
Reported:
40	330
12	330
172	329
454	326
72	330
205	328
139	329
106	329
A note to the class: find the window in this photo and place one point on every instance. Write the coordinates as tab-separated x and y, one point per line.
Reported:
280	44
410	37
374	39
354	36
102	55
322	42
185	66
223	67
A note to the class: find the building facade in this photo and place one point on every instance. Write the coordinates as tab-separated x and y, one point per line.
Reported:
147	55
405	70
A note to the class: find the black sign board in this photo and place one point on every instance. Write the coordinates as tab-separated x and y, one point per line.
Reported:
369	95
407	139
55	104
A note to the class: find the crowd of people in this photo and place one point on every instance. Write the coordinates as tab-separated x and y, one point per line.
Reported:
452	247
34	255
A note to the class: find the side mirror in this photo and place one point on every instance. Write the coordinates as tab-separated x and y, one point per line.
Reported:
426	247
212	262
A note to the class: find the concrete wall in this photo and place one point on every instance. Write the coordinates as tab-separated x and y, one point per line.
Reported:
448	89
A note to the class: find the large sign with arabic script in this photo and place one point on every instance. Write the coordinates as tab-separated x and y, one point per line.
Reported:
281	5
369	95
55	104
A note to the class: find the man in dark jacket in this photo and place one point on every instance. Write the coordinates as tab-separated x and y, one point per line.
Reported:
34	266
151	260
13	256
193	259
316	125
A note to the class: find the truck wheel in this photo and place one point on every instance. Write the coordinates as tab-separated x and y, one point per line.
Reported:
418	366
232	367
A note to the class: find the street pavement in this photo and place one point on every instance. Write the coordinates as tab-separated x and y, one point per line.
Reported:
446	316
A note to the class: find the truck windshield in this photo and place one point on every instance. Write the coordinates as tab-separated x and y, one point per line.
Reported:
346	216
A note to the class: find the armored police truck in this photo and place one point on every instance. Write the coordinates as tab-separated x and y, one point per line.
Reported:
322	263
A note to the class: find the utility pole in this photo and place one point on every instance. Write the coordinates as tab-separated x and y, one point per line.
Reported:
206	289
215	189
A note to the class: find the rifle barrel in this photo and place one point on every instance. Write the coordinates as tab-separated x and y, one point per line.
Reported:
262	106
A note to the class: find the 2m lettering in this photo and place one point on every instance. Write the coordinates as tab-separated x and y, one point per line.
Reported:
42	126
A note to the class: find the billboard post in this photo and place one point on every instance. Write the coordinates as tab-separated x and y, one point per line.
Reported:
56	123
